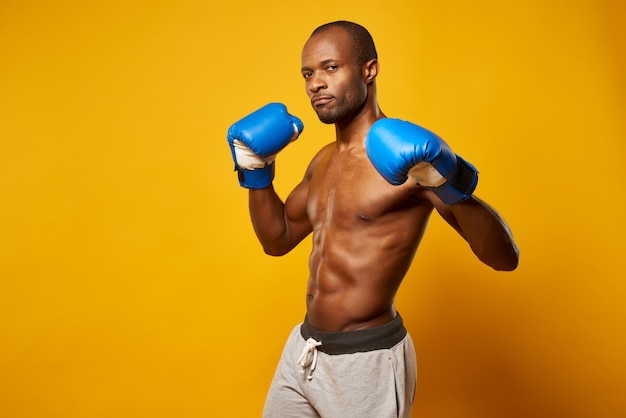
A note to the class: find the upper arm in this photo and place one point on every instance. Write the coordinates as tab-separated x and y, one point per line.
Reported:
296	213
296	217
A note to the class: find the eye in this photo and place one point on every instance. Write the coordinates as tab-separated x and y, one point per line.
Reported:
307	74
332	68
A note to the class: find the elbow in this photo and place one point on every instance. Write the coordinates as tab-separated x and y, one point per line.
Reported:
503	258
276	250
274	245
507	262
273	252
506	266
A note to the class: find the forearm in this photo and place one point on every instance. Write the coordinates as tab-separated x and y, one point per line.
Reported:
399	149
488	235
268	215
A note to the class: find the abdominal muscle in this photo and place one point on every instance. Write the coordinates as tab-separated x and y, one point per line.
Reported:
355	274
365	233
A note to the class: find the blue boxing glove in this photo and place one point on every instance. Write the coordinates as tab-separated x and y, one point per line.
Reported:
256	139
399	149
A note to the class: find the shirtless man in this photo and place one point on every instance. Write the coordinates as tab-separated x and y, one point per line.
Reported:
360	197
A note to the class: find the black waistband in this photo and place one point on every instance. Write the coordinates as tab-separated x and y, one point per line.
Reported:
348	342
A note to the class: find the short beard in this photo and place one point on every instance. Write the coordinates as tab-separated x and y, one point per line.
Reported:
346	111
330	118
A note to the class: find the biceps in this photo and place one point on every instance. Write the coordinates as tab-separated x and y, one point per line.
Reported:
296	216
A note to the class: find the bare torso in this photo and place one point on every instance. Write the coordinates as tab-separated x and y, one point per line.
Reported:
365	234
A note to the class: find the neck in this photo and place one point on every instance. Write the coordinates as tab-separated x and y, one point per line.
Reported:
354	130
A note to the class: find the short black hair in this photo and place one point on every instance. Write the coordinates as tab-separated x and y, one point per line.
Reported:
363	42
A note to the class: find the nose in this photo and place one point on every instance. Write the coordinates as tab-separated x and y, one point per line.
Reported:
316	82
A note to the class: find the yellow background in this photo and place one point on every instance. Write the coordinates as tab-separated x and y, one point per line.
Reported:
132	284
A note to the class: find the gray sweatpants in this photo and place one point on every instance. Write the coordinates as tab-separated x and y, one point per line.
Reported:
365	373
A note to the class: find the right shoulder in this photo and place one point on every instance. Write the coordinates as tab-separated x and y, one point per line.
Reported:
323	153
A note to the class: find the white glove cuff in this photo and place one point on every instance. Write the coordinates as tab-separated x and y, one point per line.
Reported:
426	175
247	159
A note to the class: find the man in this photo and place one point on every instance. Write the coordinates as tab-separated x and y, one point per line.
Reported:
366	197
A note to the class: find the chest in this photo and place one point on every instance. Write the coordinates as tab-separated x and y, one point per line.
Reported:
345	188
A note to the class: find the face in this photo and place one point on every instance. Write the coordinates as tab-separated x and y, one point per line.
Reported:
333	79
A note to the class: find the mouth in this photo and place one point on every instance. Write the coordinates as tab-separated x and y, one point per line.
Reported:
320	100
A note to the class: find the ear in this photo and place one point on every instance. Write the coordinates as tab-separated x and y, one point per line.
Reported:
370	70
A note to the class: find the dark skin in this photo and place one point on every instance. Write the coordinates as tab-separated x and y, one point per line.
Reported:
365	231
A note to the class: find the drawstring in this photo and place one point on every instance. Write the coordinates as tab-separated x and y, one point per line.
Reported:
309	356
